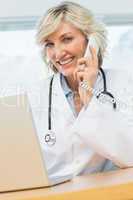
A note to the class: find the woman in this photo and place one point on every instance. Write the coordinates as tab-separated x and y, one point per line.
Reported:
77	112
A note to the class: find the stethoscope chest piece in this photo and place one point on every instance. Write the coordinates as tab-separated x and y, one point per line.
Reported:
50	138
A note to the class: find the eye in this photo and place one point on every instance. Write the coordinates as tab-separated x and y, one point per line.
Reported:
49	44
67	39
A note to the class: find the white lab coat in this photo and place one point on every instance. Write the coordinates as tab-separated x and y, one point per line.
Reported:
84	144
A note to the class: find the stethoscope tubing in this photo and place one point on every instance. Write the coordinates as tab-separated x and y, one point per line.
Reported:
105	92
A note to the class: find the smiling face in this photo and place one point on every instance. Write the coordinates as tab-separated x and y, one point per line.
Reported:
64	47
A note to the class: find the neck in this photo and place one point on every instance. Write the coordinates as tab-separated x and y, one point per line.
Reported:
73	84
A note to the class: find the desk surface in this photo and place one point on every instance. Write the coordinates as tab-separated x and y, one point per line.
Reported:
111	185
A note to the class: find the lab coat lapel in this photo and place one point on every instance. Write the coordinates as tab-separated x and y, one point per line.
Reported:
60	103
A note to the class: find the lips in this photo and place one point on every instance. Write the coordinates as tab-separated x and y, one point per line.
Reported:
65	61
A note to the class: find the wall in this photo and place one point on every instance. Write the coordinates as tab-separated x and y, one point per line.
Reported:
13	8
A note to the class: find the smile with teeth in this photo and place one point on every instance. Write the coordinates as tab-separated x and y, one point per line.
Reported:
64	62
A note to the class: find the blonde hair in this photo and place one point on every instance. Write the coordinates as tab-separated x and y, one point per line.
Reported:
77	15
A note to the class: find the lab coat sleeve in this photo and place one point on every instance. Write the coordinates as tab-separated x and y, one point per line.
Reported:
106	131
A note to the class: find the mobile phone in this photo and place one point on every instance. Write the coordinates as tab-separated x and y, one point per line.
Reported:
93	43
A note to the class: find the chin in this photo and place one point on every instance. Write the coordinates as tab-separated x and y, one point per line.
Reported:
67	72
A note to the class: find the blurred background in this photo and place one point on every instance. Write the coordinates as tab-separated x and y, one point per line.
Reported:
20	59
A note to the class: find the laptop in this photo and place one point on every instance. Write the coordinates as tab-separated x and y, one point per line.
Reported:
21	162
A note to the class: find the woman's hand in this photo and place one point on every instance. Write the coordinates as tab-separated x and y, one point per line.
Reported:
86	71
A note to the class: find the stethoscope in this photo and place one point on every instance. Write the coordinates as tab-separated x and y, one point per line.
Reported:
104	93
50	137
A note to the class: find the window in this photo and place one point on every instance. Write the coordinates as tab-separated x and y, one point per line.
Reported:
21	61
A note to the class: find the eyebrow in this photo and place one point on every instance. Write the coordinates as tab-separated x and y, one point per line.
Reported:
65	34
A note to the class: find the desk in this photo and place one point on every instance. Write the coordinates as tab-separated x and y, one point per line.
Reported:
115	185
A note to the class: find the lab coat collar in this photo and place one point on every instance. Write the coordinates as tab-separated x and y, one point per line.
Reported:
98	86
67	90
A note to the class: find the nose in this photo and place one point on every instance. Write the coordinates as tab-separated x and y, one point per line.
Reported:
59	52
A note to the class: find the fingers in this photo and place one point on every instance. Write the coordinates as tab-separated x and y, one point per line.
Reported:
86	67
80	68
80	76
82	73
91	61
86	71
